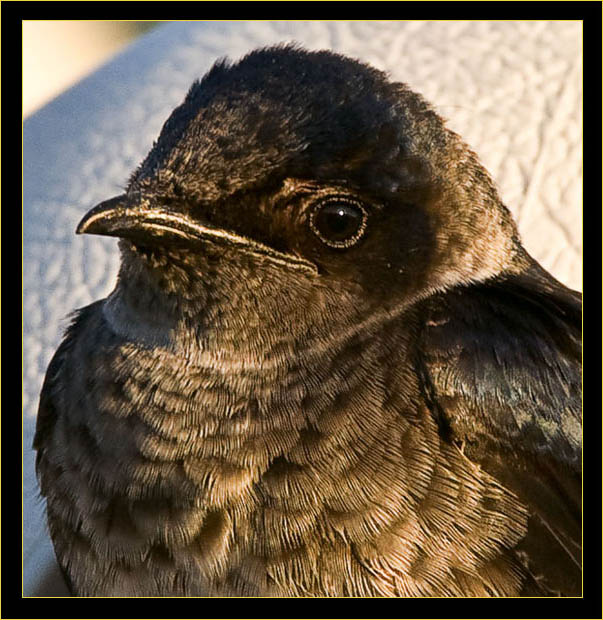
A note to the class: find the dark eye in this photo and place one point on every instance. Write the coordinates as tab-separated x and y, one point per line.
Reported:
339	222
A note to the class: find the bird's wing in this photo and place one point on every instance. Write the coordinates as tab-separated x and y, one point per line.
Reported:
45	423
49	409
500	367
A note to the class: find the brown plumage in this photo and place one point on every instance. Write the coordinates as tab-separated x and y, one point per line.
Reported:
328	366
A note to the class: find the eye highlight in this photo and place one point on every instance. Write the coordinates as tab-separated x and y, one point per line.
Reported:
339	221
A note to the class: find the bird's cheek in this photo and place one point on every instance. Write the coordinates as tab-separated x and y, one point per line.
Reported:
408	250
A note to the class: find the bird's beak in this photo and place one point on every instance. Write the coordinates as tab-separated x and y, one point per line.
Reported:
142	222
158	225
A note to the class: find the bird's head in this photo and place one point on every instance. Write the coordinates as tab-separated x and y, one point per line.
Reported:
308	177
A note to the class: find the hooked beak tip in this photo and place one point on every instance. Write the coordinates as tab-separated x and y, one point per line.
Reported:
92	222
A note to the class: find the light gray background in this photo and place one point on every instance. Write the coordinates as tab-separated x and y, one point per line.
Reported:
511	89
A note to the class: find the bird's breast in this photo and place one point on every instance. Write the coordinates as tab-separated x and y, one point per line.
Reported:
325	477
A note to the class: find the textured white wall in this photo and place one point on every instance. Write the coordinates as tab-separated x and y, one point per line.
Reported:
511	89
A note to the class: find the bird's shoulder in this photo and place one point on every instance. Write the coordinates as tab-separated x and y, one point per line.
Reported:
510	351
500	368
52	388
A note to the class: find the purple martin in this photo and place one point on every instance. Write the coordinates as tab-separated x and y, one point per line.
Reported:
328	366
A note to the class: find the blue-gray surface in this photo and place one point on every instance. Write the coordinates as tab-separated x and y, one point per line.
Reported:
511	89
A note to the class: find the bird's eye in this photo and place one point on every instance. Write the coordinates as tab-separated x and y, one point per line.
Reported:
339	222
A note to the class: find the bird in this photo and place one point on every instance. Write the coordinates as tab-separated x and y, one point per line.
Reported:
328	367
